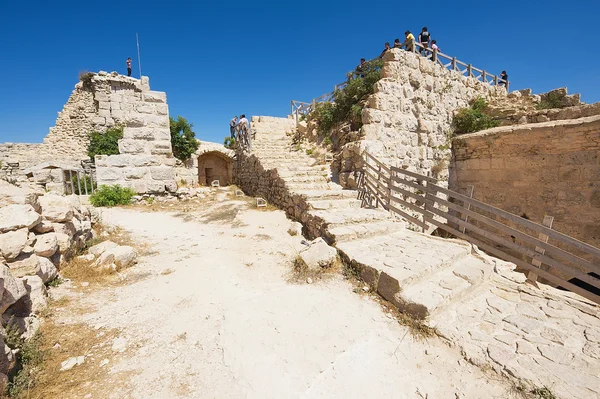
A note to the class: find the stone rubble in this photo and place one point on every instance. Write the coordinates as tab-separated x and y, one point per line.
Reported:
38	232
318	255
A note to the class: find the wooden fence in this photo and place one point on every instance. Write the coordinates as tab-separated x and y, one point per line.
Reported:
500	233
303	108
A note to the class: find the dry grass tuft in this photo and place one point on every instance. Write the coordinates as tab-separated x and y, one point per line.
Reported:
292	232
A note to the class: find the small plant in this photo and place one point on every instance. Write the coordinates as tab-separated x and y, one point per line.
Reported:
550	100
55	282
543	393
473	119
182	182
106	143
112	196
183	138
309	151
229	143
327	141
292	232
86	78
29	358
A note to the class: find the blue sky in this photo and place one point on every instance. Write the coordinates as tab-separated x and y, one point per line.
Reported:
219	59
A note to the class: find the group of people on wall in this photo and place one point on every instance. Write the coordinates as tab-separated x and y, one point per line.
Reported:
427	48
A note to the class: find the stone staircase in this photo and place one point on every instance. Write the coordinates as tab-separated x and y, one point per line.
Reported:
419	273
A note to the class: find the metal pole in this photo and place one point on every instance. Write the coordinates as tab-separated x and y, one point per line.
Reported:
137	40
78	182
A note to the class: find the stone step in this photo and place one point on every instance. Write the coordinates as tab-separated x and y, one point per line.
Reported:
285	173
447	286
341	233
334	193
334	204
393	262
350	216
294	180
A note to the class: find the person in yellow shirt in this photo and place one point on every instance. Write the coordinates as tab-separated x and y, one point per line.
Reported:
409	42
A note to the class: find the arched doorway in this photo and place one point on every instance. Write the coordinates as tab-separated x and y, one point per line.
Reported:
214	165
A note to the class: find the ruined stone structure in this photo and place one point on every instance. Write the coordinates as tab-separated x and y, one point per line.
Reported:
549	168
407	121
212	156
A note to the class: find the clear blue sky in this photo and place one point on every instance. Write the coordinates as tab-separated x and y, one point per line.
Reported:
223	58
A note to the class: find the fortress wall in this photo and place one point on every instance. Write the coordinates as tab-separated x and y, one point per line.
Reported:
550	168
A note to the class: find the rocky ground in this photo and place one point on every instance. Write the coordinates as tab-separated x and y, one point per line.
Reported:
213	309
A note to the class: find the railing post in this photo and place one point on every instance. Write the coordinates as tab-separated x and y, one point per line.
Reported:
428	197
71	180
495	80
470	70
78	182
454	63
434	56
468	207
483	76
532	276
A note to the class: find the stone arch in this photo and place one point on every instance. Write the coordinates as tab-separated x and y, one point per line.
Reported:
214	165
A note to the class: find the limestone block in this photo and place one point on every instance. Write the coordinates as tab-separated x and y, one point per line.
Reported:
155	96
318	255
56	188
11	289
120	256
171	161
47	271
156	121
99	249
12	243
37	296
145	109
108	175
104	105
162	109
13	217
110	121
162	134
160	147
134	173
139	186
119	161
42	175
117	114
46	245
25	265
132	146
162	173
146	160
101	160
155	187
134	120
44	226
56	208
115	106
65	241
99	120
171	186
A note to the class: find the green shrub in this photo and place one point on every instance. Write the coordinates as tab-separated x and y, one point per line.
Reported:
349	100
86	78
229	143
473	119
29	359
112	196
550	101
83	182
183	139
106	143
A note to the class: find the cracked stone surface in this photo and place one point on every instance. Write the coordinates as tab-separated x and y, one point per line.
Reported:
547	336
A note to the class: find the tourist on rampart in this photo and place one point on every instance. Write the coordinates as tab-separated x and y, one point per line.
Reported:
424	39
409	42
434	47
387	47
232	124
129	66
397	43
361	68
504	77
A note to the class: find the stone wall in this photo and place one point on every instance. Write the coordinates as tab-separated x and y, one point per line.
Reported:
408	119
103	100
532	170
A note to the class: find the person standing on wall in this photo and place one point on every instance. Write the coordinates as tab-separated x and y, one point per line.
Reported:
387	47
424	38
504	77
232	124
409	42
129	66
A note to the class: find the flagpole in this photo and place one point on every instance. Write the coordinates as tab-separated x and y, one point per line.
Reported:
137	40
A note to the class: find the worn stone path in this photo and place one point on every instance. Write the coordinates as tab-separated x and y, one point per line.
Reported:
226	322
479	303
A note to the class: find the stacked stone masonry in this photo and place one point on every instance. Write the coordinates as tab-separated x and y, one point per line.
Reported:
145	162
407	121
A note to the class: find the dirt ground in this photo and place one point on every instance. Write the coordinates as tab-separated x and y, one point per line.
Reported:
212	310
